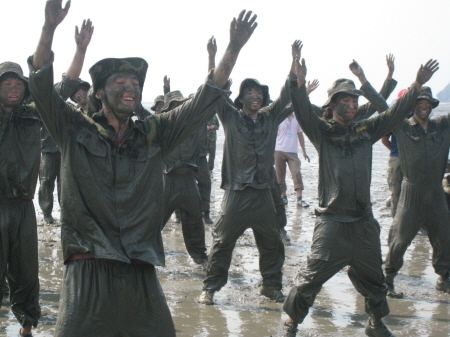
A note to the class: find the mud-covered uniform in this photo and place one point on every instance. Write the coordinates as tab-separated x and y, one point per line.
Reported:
212	139
202	174
181	193
423	158
247	178
345	233
112	211
19	167
394	174
50	164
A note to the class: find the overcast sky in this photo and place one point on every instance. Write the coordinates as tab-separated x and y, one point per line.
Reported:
172	37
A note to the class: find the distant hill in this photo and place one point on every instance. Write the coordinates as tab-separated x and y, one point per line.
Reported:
444	95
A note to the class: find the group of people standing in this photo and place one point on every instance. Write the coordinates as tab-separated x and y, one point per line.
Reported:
117	159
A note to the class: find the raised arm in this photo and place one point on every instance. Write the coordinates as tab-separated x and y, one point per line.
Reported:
82	40
166	86
212	50
54	15
241	29
385	122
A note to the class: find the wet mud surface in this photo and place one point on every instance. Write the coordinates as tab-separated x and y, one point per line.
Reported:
239	310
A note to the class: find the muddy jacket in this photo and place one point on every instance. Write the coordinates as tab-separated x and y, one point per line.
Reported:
345	154
424	154
212	134
65	88
249	145
184	155
20	152
111	192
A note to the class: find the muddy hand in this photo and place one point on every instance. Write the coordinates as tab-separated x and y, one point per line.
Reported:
426	72
390	61
83	37
310	87
297	49
212	46
242	28
54	13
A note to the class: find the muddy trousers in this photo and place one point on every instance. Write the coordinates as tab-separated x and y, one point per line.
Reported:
211	154
19	258
181	192
394	179
337	245
419	206
280	209
248	208
203	178
48	173
292	160
111	298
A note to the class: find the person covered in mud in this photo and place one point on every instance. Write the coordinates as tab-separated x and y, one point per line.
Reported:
247	177
180	187
424	146
70	86
112	182
20	126
346	232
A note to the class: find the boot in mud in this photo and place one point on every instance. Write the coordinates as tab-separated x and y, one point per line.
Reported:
443	284
391	288
289	329
273	294
206	297
379	330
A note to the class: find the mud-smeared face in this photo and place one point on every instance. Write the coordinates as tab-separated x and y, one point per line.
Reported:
81	97
252	100
423	109
121	94
345	108
12	91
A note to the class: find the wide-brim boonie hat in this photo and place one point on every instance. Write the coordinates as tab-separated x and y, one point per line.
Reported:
159	98
342	85
173	96
252	81
104	68
14	68
83	85
425	93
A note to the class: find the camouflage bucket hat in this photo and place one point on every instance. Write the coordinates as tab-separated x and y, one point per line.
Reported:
342	85
253	82
425	93
83	85
14	68
104	68
159	98
173	96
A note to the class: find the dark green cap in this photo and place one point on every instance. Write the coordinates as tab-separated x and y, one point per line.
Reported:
103	69
159	98
14	68
252	81
342	85
425	93
173	96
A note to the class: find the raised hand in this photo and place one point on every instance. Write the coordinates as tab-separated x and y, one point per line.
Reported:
212	46
297	49
84	35
54	13
426	71
356	69
166	81
300	70
390	58
242	28
310	87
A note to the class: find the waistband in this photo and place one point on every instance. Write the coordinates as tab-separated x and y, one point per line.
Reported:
88	255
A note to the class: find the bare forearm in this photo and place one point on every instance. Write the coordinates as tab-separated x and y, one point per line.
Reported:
44	48
76	66
223	70
211	62
301	141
